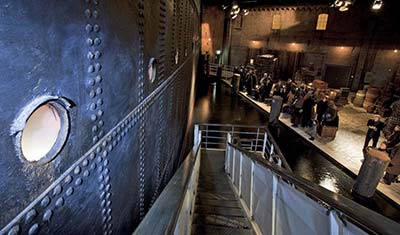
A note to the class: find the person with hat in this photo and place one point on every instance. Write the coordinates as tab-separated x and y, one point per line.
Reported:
375	126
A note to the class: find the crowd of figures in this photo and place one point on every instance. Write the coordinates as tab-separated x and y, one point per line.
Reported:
301	101
309	109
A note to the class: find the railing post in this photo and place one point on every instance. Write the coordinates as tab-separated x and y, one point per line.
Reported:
233	165
206	135
228	151
251	190
240	174
264	144
274	197
197	137
258	133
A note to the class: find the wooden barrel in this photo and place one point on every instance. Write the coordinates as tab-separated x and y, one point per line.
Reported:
359	100
371	96
396	108
371	172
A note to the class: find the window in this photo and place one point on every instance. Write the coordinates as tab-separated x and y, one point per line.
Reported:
276	22
322	21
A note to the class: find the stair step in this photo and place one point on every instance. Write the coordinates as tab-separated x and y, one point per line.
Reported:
216	196
220	220
214	210
220	203
216	230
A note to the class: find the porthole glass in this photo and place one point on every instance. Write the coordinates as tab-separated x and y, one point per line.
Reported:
152	69
44	133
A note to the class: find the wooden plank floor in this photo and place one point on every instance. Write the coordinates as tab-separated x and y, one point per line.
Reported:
217	209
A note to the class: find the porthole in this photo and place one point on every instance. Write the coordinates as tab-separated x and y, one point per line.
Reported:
152	69
42	130
176	57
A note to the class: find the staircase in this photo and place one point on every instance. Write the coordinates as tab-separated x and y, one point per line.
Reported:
217	209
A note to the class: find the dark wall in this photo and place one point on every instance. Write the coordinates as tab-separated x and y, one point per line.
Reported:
125	131
359	38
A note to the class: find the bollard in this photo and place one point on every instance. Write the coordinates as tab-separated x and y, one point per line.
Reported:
371	172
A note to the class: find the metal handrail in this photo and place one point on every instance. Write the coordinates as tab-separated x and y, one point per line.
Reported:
365	218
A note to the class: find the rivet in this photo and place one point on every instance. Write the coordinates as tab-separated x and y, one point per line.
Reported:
57	190
34	229
78	181
92	156
104	144
109	138
98	149
100	112
109	225
70	191
95	2
109	218
30	216
107	179
97	54
97	41
105	153
60	202
88	13
114	133
102	195
108	196
90	69
106	162
109	210
47	215
94	128
106	171
101	178
68	179
110	148
104	211
101	187
100	102
86	173
99	159
92	106
108	186
45	201
96	28
93	117
95	139
103	203
89	41
101	133
101	123
93	166
14	230
98	67
98	78
77	170
91	82
104	221
92	94
99	90
90	55
115	143
95	14
108	203
85	162
88	28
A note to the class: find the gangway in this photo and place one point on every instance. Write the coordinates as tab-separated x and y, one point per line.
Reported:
236	181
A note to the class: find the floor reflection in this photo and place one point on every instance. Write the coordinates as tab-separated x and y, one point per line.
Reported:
214	104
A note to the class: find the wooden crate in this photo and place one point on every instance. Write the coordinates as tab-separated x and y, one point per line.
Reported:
328	132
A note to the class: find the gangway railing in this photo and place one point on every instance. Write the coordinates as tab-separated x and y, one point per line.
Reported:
227	70
275	200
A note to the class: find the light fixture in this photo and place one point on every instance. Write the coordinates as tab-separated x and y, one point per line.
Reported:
343	5
395	51
245	12
235	5
341	48
234	16
293	43
218	52
377	5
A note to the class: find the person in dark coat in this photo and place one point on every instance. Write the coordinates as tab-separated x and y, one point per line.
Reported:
308	106
393	169
322	106
375	126
393	139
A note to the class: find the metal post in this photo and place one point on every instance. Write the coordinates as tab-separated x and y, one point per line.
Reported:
196	135
258	132
264	144
251	190
240	174
274	197
206	135
233	165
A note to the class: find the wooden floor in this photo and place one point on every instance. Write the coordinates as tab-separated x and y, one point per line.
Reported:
217	209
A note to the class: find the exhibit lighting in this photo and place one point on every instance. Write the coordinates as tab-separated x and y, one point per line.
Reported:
218	52
395	51
377	5
234	16
245	12
235	6
293	43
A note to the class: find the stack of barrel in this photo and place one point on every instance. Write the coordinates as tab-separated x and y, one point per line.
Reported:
393	120
370	98
359	100
384	102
